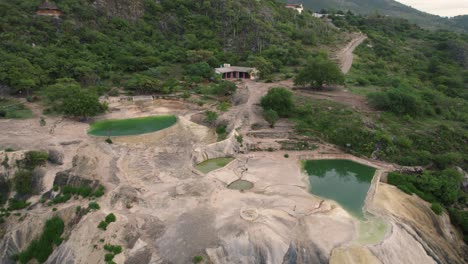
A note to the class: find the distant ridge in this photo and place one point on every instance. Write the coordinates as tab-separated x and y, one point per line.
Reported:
391	8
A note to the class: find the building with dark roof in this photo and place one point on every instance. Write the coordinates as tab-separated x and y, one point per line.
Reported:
235	72
48	9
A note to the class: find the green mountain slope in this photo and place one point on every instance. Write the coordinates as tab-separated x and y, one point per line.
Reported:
108	42
387	7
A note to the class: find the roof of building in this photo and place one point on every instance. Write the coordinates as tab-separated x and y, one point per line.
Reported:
46	5
233	69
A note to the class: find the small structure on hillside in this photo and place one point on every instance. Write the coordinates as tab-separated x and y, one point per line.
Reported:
296	5
235	72
48	9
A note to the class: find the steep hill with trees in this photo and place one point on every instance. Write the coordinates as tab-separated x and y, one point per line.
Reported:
112	43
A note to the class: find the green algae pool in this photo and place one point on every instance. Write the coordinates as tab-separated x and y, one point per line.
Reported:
213	164
241	185
133	126
343	181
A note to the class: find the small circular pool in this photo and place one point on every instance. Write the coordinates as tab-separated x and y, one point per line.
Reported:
133	126
213	164
240	185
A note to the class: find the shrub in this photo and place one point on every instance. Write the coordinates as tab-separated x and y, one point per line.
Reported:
437	208
460	218
280	100
221	129
271	117
115	249
83	191
286	155
110	218
99	192
14	204
396	101
224	106
211	117
93	206
23	182
109	141
240	139
224	88
61	198
102	225
109	257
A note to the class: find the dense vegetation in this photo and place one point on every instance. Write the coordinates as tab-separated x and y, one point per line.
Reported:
42	248
170	40
441	188
418	79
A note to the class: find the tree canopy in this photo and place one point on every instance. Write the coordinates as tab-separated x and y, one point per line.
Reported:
69	98
318	72
280	100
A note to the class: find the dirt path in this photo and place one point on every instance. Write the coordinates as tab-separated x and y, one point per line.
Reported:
345	56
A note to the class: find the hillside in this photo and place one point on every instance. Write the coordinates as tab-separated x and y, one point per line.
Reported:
106	43
387	7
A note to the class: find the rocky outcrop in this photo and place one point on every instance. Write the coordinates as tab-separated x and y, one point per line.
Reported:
225	148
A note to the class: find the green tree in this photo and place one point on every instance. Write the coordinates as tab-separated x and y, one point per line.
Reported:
318	72
280	100
200	70
264	66
67	97
271	117
143	84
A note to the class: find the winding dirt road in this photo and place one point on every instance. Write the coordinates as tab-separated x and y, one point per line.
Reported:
345	56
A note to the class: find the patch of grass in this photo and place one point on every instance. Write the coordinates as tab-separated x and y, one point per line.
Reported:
197	259
42	248
33	159
12	109
224	106
437	208
134	126
14	204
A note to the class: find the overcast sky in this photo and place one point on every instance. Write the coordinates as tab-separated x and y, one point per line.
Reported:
439	7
